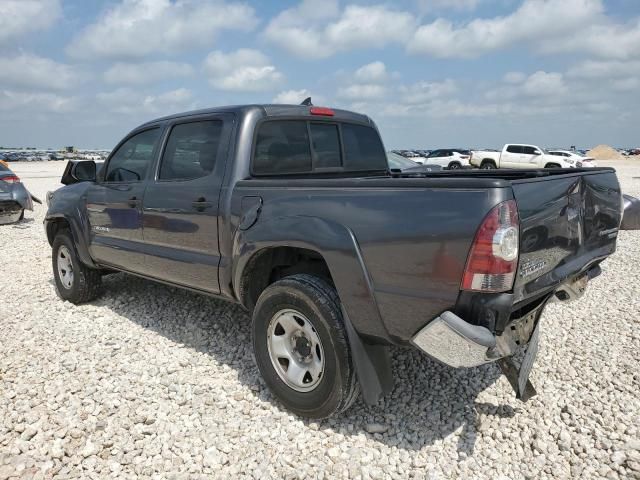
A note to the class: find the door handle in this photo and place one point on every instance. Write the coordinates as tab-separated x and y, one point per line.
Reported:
133	202
201	204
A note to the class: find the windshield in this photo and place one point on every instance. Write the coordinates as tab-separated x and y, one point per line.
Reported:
399	162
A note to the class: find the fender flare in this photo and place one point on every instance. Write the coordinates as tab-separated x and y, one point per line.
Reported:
340	250
79	233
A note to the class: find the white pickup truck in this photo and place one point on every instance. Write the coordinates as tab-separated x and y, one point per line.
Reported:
517	156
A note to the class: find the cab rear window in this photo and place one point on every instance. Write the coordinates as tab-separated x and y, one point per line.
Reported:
300	147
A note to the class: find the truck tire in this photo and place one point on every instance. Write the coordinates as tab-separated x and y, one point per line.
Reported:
488	165
75	281
301	347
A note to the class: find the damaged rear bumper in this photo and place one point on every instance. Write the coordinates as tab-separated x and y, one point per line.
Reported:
458	343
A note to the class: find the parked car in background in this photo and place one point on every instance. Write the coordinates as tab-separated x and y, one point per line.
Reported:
14	197
574	159
516	155
406	165
449	158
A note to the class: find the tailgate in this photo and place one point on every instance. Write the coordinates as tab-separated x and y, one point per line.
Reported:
567	224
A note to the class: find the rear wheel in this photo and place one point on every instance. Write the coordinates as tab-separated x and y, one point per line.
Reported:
301	346
487	165
75	281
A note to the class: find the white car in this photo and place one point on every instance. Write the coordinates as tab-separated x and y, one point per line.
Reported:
574	159
449	158
517	155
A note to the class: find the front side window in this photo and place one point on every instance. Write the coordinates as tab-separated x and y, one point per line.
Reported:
131	161
528	150
326	145
191	150
282	147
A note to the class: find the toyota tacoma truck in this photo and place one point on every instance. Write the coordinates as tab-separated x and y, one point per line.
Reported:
293	213
519	156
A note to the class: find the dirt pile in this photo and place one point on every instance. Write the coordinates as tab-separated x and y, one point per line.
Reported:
604	152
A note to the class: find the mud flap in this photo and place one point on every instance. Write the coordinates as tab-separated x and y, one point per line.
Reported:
519	376
372	364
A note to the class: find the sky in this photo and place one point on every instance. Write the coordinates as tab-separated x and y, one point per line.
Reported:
430	73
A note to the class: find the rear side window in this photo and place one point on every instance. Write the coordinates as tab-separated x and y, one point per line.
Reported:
326	145
282	147
514	149
191	150
362	148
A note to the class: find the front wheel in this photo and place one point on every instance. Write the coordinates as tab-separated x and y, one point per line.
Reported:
75	281
301	347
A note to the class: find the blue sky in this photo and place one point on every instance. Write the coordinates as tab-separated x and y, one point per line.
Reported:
431	73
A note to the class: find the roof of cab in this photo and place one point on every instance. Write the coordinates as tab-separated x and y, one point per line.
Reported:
270	110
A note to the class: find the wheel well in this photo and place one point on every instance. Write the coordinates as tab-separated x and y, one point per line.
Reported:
552	165
272	264
54	226
488	160
454	162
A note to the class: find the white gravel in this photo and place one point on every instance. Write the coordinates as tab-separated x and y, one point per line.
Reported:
151	381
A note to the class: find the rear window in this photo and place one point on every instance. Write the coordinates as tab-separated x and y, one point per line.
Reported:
362	148
282	147
326	145
298	146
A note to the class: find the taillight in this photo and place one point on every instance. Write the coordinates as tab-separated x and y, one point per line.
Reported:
493	259
10	179
327	112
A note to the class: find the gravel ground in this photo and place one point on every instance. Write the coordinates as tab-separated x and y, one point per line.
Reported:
151	381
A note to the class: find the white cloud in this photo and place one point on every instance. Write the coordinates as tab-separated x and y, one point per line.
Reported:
603	39
605	69
146	72
539	85
372	72
551	21
428	5
360	91
18	17
242	70
127	101
514	77
37	101
31	71
292	97
318	29
424	92
137	28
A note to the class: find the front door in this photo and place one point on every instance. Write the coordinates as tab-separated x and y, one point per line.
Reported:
114	203
180	206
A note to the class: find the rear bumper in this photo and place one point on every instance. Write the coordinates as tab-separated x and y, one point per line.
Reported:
458	343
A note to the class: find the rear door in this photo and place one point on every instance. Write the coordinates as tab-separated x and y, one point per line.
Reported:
511	156
180	208
114	202
567	223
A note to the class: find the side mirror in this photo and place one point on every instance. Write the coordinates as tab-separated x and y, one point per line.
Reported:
537	152
79	171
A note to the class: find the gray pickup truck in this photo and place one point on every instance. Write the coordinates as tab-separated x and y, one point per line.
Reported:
292	212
